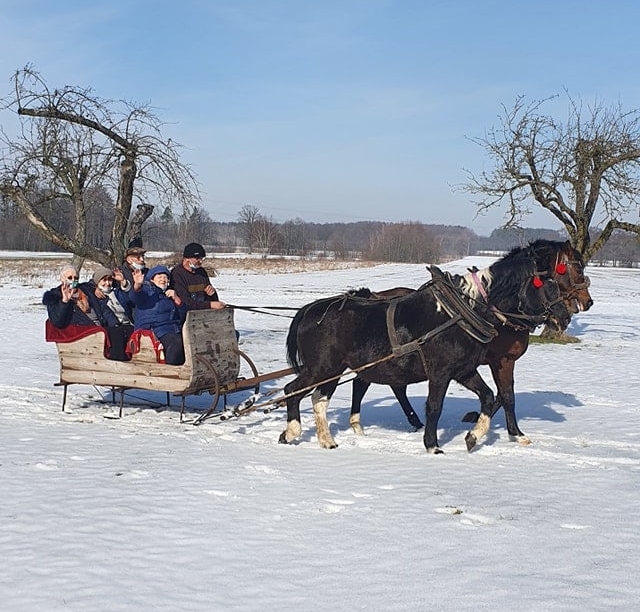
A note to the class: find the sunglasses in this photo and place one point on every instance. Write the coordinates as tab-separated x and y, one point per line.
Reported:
71	277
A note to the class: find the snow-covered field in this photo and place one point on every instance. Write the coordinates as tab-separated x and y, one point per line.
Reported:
145	513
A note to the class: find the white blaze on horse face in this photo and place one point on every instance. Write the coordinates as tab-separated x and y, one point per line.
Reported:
320	403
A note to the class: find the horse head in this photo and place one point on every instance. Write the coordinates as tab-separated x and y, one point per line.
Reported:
541	299
524	295
564	264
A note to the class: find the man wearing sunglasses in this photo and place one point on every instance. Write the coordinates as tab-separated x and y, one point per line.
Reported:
67	304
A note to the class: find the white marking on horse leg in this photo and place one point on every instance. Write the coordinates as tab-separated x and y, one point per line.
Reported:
523	440
482	426
320	403
354	421
293	431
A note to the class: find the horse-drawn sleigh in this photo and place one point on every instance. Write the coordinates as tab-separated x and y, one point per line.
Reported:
212	361
440	332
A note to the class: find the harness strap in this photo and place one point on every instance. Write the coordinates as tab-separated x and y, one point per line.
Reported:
452	303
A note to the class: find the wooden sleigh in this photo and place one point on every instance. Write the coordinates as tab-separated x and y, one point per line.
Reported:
212	361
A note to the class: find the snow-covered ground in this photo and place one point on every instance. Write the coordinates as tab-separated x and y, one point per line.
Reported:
145	513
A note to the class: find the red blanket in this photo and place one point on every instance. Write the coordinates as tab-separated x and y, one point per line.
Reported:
133	345
70	333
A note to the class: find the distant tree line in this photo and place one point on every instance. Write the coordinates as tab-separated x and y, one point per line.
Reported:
409	242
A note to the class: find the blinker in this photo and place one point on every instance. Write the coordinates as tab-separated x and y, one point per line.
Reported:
561	268
537	282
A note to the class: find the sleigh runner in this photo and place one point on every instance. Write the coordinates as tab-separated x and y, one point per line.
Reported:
212	360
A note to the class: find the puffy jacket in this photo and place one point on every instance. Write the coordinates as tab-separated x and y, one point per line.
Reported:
157	312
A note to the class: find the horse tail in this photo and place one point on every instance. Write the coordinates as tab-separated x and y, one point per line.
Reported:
293	356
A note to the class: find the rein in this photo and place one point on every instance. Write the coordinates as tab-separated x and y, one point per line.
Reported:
259	309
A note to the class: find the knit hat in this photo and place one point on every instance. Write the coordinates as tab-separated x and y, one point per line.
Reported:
157	270
100	273
193	249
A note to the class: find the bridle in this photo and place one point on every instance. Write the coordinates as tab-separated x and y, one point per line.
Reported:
522	320
564	271
546	303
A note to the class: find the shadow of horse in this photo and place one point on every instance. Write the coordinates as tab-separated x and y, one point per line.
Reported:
385	412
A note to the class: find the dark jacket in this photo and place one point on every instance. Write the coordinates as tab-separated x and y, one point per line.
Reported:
100	305
155	311
62	315
189	285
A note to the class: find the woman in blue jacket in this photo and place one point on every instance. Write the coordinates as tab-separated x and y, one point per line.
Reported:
159	309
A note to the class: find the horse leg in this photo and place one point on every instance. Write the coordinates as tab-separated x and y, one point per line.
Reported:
476	384
358	389
294	428
320	400
502	371
401	395
435	398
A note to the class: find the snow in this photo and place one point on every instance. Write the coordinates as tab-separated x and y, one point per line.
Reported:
146	513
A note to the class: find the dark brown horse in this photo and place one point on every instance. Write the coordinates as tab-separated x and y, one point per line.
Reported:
557	260
412	338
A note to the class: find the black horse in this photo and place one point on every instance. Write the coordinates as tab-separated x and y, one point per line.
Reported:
555	259
418	338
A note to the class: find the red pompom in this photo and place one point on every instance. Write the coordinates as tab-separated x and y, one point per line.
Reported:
537	282
561	268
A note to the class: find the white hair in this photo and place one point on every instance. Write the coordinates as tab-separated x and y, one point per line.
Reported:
67	268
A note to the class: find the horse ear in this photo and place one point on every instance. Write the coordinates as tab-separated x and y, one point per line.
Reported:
537	282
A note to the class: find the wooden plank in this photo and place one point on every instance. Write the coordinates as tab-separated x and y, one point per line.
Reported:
210	343
129	380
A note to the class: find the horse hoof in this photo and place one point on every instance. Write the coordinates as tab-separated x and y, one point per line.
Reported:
522	440
471	441
435	451
417	425
283	438
471	417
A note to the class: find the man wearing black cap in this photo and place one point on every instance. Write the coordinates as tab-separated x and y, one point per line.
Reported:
191	281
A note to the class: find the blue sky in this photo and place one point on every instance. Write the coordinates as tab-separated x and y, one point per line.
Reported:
337	110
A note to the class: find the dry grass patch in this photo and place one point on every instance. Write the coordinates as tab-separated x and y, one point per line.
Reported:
32	270
563	339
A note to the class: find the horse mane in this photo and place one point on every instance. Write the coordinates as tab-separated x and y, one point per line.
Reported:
508	275
363	292
546	252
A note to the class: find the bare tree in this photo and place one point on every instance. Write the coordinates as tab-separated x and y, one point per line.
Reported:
247	219
294	237
576	170
267	235
407	242
72	142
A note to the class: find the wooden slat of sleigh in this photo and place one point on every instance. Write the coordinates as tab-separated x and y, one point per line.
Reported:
208	335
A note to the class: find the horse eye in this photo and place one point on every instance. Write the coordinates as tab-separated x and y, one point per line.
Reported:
561	268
